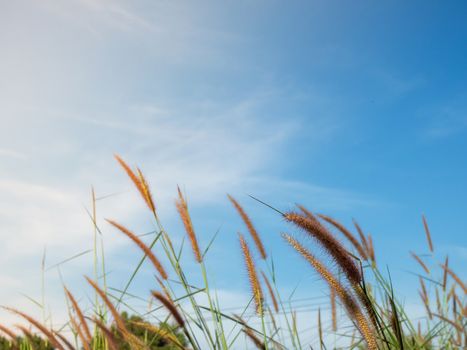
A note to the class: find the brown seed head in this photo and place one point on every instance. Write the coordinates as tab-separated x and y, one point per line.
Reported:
334	248
353	309
142	246
251	229
253	277
182	209
39	326
170	306
80	315
352	239
428	235
139	181
271	292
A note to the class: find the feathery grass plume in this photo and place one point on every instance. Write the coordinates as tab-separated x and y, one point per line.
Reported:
139	182
50	336
182	209
353	309
109	337
64	341
80	333
251	229
445	273
254	338
146	191
170	306
420	262
271	292
79	313
428	235
352	239
147	251
332	246
455	278
362	237
333	310
253	277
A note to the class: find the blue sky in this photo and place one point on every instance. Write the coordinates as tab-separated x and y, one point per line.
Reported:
357	110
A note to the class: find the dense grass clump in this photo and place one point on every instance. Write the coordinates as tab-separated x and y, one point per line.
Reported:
191	315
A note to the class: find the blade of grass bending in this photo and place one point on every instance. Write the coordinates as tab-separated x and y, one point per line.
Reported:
68	259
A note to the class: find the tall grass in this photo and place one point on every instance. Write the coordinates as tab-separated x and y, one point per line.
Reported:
192	316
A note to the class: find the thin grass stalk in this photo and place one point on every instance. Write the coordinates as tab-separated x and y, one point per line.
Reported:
333	310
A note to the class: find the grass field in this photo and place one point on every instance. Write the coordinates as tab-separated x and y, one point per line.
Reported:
193	318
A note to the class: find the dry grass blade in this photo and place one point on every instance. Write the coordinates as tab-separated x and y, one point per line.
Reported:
251	229
182	209
147	251
252	276
139	182
79	313
420	262
352	239
38	325
332	246
428	235
271	292
353	309
455	278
